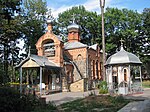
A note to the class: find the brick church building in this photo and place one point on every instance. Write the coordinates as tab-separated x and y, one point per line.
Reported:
70	66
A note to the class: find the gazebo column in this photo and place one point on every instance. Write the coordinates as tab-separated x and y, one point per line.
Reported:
107	74
129	77
40	80
140	76
20	71
110	80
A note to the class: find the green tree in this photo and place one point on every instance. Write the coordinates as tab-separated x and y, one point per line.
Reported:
146	34
89	23
125	24
33	26
9	33
133	28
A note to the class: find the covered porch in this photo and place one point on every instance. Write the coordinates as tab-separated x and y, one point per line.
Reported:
40	75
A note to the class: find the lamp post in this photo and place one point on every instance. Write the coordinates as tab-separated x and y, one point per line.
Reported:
102	5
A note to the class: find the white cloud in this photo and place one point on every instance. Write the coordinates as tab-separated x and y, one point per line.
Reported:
91	5
94	5
56	11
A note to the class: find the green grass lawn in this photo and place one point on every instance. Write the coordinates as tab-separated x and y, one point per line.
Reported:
101	103
146	84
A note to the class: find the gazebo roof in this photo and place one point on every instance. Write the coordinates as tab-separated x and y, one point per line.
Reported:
123	57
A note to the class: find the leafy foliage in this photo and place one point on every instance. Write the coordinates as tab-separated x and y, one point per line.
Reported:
16	102
27	24
8	7
146	34
88	22
33	26
103	87
9	33
12	101
125	24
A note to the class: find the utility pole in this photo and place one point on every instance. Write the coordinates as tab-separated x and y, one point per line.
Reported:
102	5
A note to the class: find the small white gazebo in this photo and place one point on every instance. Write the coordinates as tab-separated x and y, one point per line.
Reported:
123	71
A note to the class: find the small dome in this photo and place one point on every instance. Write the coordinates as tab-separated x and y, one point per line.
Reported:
123	57
48	21
73	25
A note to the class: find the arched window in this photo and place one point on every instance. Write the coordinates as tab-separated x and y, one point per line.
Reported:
100	67
93	69
89	61
79	57
49	48
97	71
125	75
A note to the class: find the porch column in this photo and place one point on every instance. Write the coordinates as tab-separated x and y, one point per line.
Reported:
20	70
53	81
31	76
40	80
60	81
140	76
27	78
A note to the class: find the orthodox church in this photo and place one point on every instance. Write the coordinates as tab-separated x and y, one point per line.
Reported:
71	66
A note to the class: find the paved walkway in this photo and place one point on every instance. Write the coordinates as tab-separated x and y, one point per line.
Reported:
142	103
138	106
63	97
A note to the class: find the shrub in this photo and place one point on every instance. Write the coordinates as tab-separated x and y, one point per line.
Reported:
103	87
12	101
146	84
8	99
120	99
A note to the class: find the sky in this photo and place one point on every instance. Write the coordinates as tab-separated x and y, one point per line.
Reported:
58	6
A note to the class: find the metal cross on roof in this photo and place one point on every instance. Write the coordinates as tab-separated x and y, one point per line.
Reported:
73	18
29	53
121	43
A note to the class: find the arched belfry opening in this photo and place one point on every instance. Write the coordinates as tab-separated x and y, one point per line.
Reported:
49	48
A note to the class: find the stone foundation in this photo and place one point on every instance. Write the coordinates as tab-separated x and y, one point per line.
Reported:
79	86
